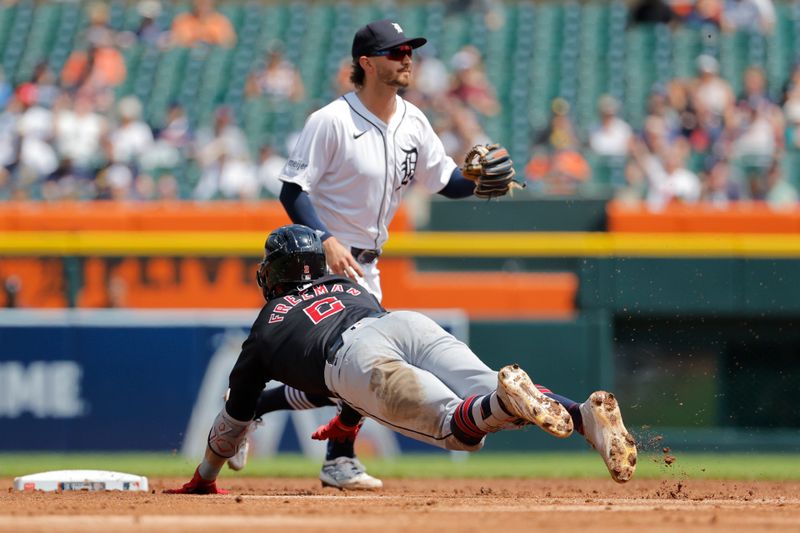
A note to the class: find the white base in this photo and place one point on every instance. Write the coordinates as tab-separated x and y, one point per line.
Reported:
89	480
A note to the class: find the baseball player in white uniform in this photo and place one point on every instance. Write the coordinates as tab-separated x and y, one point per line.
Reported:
345	178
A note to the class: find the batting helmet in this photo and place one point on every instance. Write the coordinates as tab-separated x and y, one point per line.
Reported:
293	255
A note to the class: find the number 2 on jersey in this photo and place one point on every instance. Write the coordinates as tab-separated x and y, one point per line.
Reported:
322	309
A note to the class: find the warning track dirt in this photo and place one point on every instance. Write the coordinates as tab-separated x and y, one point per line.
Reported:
414	505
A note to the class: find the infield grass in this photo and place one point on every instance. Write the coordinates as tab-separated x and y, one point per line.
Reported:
516	465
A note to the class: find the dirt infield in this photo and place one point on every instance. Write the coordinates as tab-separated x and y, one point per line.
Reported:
413	506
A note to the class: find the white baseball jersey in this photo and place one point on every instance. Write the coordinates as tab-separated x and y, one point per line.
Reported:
355	167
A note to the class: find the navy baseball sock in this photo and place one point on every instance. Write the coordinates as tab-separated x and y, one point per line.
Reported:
349	417
462	423
572	407
284	397
339	449
478	415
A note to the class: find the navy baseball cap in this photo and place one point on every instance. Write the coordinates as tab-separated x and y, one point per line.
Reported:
382	35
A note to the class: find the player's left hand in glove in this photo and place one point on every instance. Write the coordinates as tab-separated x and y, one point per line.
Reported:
198	485
336	430
491	168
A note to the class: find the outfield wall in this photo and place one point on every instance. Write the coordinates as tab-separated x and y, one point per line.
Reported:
690	315
153	380
75	380
114	380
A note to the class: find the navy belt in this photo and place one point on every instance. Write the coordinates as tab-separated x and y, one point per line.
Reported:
336	344
363	256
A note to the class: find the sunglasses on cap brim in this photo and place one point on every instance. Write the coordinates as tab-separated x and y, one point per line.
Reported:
397	53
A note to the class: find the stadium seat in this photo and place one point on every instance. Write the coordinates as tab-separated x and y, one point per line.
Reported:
686	47
573	49
7	15
17	38
64	36
132	56
40	38
608	173
791	167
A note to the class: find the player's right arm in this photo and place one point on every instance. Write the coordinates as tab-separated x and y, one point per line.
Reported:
299	208
309	160
230	427
340	260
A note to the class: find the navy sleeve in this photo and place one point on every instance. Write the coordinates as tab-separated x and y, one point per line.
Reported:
298	206
458	186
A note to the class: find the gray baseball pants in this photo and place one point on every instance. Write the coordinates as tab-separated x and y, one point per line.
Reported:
407	373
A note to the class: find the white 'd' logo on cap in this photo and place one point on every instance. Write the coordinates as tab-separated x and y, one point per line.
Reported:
397	27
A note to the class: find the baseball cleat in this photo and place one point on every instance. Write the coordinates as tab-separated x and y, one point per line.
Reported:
604	430
347	473
238	461
518	393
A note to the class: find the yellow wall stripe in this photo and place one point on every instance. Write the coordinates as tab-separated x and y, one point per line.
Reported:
412	244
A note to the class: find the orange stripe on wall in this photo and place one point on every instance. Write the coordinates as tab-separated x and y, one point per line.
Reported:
480	294
744	217
179	282
261	216
197	282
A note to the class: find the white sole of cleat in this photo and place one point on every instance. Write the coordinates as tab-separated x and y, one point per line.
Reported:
367	483
519	394
353	487
618	447
239	460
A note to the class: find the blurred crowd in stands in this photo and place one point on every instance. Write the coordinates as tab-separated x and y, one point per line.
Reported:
727	15
699	141
70	135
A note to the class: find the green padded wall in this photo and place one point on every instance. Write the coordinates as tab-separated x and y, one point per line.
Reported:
555	214
679	286
572	357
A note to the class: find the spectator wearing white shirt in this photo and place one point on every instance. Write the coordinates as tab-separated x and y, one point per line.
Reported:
753	15
756	135
173	143
224	138
278	81
432	78
79	131
35	127
711	95
668	180
269	168
227	170
611	137
233	178
132	138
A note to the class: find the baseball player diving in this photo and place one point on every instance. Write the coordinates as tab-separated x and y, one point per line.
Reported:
352	163
326	335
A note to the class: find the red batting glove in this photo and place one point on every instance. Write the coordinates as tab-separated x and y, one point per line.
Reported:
336	430
198	485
